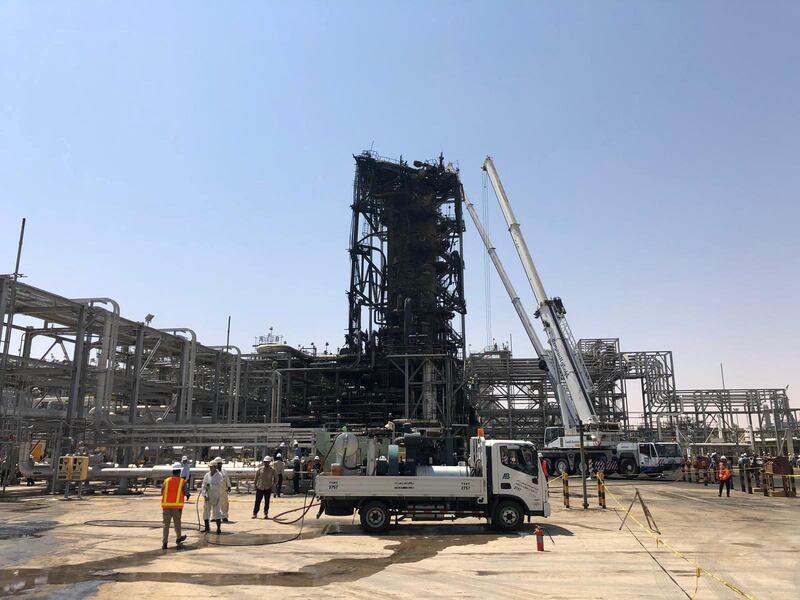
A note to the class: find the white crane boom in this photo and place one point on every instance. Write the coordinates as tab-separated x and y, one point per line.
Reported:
570	364
568	416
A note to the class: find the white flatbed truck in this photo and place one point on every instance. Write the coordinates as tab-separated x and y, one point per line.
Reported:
502	482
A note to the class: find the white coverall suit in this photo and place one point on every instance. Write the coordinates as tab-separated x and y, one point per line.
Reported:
211	490
224	503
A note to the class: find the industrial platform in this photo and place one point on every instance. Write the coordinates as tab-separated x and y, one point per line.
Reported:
110	547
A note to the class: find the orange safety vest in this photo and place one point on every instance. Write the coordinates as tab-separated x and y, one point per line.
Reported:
172	493
724	473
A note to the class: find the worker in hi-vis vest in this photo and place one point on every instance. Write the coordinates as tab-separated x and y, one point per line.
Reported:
172	496
724	476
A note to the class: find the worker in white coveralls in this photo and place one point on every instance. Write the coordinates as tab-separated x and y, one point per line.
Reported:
211	490
226	489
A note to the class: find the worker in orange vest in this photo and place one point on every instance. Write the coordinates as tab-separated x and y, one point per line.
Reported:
724	476
543	463
172	497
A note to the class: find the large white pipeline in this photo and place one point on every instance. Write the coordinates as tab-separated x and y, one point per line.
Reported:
106	471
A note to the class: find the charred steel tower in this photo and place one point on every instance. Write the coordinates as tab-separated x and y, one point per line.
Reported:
406	297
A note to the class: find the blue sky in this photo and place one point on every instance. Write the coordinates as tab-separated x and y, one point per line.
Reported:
195	160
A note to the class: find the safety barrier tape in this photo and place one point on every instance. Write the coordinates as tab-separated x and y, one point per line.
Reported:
698	569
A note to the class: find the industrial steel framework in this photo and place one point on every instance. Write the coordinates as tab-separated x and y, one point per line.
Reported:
514	396
75	373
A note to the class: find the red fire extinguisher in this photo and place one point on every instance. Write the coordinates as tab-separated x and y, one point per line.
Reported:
539	539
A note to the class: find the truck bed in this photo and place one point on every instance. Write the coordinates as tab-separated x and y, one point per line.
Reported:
359	486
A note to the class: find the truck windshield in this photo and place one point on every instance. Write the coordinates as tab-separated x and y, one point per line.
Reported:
520	459
552	433
668	450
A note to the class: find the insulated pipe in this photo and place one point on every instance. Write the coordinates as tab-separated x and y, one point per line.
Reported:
577	383
233	389
29	469
276	377
547	356
105	362
187	378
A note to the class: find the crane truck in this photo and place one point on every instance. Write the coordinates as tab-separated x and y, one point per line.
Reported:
502	481
604	445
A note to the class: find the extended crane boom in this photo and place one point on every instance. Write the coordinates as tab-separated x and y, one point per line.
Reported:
552	313
568	415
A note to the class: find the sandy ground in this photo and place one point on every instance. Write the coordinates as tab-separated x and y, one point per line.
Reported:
110	547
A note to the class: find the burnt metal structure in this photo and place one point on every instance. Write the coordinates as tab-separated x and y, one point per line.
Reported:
403	356
406	276
403	353
406	297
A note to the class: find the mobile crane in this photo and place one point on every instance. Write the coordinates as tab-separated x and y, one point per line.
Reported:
605	448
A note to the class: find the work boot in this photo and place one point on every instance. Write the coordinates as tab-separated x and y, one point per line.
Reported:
225	520
207	529
219	530
180	540
164	546
255	516
265	516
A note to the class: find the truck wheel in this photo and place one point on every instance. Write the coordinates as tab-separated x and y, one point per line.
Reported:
562	466
507	516
375	517
627	468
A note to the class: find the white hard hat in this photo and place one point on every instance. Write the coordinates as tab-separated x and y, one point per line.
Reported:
316	457
184	459
177	466
723	458
283	444
267	459
278	455
218	459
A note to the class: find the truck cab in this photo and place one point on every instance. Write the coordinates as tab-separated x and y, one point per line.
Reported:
650	458
516	475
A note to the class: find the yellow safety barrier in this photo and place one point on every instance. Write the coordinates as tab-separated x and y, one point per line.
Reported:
698	569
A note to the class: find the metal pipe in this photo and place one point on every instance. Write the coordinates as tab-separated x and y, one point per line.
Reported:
187	372
233	389
11	304
106	361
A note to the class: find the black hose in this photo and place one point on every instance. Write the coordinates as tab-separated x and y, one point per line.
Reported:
305	510
214	539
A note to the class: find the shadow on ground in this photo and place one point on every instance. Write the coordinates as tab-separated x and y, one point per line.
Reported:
406	544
